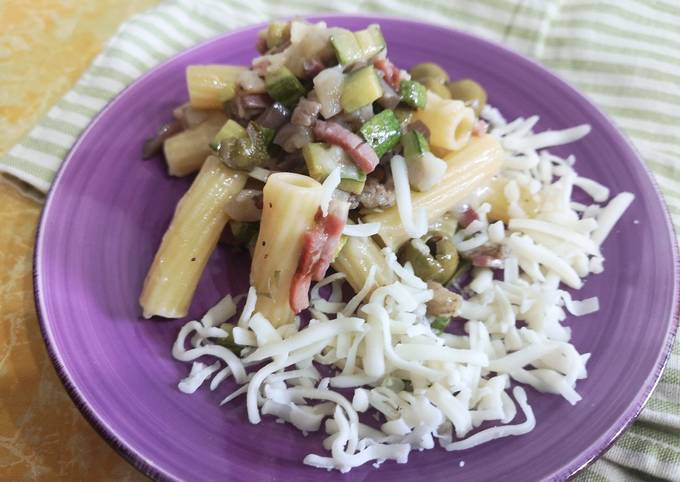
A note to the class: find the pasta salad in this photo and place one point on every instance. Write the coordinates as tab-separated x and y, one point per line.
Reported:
454	229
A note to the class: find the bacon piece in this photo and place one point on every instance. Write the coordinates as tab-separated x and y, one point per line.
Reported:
392	75
311	67
318	247
361	153
467	216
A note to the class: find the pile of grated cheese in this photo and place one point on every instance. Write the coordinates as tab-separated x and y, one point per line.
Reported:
427	388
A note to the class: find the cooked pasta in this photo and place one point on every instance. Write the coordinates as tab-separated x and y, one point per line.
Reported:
185	152
289	207
210	86
189	241
450	122
468	170
355	260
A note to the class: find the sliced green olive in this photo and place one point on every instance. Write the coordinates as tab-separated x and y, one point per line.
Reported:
429	70
469	92
433	257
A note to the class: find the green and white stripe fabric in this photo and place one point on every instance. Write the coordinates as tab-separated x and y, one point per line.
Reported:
624	55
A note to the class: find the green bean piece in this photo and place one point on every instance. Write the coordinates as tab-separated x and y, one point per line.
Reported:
469	92
436	259
429	70
436	87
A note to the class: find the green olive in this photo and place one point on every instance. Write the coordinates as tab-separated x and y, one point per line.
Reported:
436	87
433	257
470	92
429	70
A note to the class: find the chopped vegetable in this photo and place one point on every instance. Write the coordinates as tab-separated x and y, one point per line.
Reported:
247	151
322	158
469	92
328	87
230	130
433	257
429	70
360	88
382	132
228	342
415	144
277	34
413	93
283	86
440	323
371	41
244	232
346	47
404	115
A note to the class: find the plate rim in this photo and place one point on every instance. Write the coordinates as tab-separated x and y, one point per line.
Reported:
152	470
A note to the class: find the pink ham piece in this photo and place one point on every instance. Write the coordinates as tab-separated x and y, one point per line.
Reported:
319	245
361	153
391	73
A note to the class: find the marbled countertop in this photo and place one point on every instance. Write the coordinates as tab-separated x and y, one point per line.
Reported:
44	47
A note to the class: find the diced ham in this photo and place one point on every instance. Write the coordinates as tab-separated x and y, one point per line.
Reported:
466	216
361	153
311	67
390	72
333	226
305	113
487	256
319	245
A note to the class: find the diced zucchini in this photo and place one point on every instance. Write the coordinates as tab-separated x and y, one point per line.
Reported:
230	130
277	33
346	47
248	151
370	41
228	342
405	115
360	88
207	83
322	158
283	86
414	144
413	93
244	232
352	185
382	131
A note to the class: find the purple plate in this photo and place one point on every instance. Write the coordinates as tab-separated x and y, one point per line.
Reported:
107	211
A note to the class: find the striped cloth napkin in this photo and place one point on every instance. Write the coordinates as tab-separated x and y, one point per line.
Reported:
624	55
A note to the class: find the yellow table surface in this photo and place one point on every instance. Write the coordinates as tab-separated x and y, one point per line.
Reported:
45	45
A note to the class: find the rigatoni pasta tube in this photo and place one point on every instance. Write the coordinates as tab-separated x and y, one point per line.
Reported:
186	151
207	83
450	122
469	169
355	260
289	206
190	240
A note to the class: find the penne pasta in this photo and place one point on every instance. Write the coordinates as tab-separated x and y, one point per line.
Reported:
355	260
450	122
468	170
186	151
210	85
189	241
290	204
